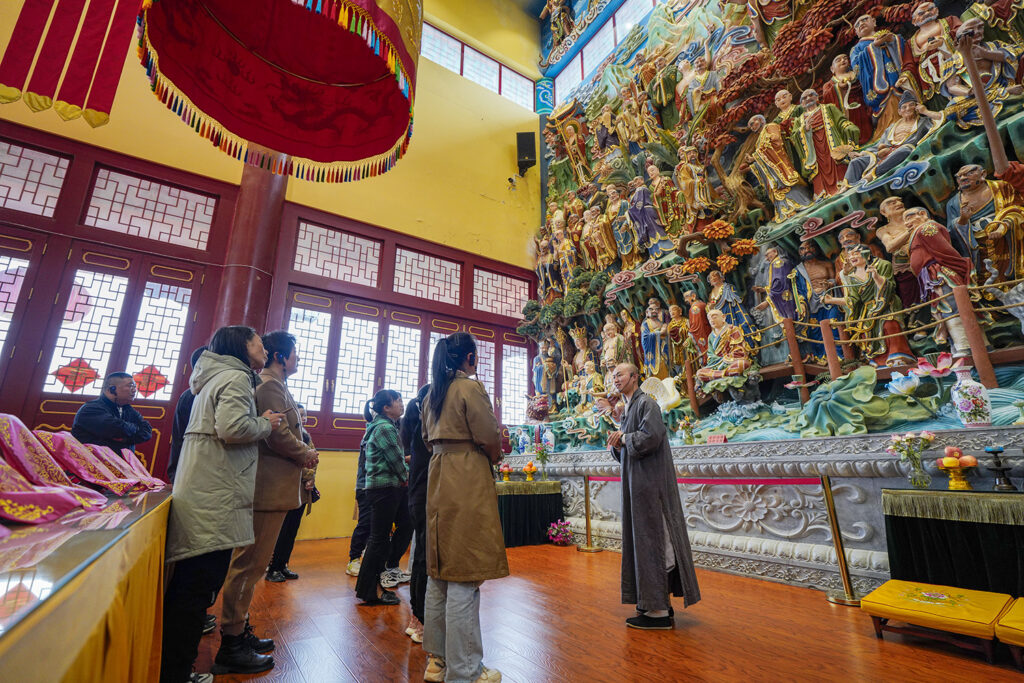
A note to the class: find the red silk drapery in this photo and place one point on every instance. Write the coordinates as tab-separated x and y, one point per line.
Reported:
329	83
81	46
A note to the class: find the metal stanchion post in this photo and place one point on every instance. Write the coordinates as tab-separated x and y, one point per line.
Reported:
847	596
589	547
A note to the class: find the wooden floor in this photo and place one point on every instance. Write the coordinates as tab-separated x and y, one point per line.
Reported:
558	618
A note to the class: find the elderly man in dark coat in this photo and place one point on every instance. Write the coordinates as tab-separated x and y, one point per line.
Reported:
656	555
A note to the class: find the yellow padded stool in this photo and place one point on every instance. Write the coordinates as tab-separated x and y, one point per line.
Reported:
955	615
1010	630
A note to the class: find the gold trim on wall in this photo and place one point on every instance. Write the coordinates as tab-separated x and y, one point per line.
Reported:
353	307
360	428
515	338
313	300
481	332
402	317
112	259
27	243
436	324
47	411
185	275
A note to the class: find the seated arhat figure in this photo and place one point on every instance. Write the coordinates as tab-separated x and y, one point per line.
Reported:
728	354
895	143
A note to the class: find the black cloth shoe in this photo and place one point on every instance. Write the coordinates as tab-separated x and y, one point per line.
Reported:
671	612
236	657
642	621
386	598
259	645
289	574
209	624
276	577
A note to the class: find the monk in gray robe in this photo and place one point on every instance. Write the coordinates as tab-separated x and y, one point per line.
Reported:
656	558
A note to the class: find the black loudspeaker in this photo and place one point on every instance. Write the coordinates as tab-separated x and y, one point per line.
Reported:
526	156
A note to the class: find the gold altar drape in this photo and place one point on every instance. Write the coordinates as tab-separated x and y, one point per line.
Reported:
105	623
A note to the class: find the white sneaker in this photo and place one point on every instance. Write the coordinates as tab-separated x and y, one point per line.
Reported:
353	567
435	669
489	676
390	578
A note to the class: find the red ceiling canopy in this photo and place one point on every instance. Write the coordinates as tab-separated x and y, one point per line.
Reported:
329	83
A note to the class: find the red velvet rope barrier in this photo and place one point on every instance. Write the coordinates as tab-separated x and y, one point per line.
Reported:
777	481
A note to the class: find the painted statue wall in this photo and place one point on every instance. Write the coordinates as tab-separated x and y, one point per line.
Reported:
796	220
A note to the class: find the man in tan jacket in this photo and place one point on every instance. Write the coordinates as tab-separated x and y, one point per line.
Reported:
282	455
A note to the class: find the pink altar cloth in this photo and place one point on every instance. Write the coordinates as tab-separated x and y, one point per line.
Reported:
22	451
80	462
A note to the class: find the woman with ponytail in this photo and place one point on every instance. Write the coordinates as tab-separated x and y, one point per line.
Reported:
464	543
387	475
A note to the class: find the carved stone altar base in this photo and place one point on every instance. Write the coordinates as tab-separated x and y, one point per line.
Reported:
777	531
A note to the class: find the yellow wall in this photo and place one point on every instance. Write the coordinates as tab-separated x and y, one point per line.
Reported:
498	28
452	185
332	515
450	188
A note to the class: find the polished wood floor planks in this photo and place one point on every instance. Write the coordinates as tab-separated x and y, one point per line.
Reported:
558	618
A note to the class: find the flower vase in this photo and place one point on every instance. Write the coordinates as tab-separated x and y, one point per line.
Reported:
970	399
918	478
543	471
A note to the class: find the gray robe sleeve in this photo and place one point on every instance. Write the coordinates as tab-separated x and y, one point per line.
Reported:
649	433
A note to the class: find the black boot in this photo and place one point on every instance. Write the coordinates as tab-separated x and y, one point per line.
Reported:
236	657
259	645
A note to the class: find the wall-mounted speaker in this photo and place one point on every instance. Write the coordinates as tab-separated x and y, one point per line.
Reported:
526	155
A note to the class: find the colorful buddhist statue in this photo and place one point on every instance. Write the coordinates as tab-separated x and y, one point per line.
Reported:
789	113
616	218
986	222
700	328
872	310
650	233
631	334
678	334
877	58
896	142
823	137
940	268
654	341
814	277
772	165
895	235
596	242
845	91
728	356
662	92
723	297
664	195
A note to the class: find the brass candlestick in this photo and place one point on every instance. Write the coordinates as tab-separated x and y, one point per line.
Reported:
589	547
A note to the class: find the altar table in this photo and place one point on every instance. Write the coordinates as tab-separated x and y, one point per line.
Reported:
527	508
81	597
966	539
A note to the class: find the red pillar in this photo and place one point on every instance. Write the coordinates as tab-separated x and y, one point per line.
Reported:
831	354
982	363
244	295
691	389
795	358
844	336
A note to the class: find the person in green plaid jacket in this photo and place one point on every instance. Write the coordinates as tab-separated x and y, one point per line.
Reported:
385	485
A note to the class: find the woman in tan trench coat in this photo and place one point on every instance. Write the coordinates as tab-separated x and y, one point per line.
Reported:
465	546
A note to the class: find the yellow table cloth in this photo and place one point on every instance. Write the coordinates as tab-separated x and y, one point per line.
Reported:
102	617
954	610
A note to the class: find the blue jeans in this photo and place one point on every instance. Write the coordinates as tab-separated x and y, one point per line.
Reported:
451	629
